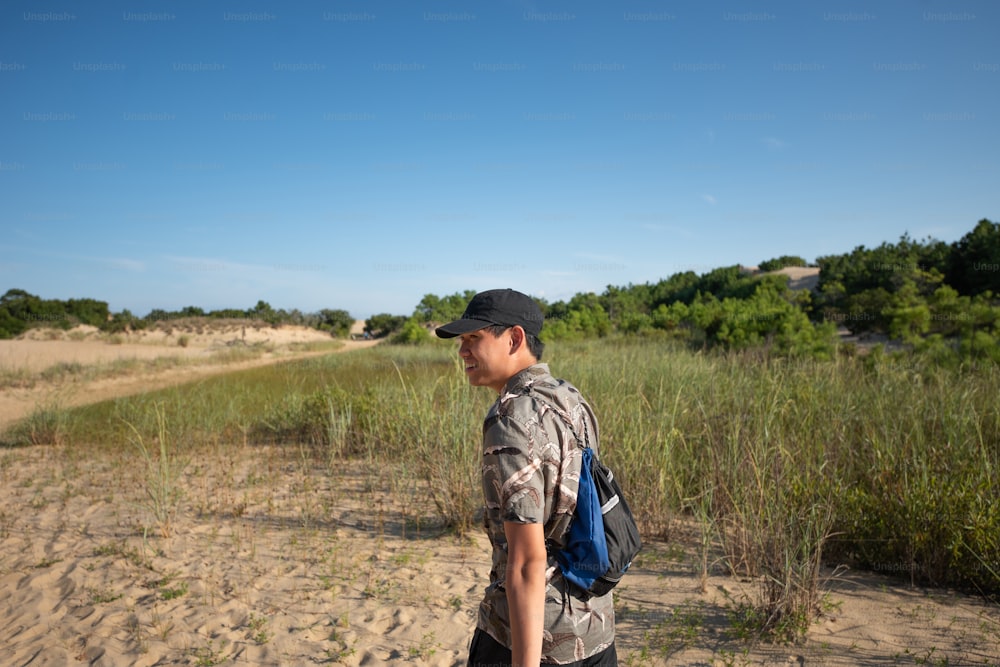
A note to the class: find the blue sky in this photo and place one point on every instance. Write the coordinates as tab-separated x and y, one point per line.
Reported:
359	155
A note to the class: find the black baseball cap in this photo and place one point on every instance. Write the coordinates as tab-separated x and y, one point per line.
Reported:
497	306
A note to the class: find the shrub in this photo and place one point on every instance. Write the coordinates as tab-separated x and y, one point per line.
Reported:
782	262
384	324
412	333
47	424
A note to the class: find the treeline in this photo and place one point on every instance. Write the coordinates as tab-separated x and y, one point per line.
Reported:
20	311
940	299
937	298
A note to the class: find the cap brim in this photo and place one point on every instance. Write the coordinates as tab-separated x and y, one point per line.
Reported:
459	327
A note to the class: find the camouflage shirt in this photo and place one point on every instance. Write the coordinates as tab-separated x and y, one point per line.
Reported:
531	469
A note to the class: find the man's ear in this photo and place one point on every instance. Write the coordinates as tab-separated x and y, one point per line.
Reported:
516	338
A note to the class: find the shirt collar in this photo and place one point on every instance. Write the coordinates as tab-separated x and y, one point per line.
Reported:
525	378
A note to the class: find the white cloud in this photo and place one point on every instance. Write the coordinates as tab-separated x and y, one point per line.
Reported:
709	199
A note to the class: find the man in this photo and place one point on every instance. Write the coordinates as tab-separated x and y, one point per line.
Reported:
529	615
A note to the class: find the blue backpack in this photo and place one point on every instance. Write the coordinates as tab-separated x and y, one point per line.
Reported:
603	537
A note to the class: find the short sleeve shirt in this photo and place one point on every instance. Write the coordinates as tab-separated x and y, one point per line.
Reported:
531	471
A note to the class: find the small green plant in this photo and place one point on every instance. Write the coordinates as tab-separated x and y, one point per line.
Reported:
131	554
103	596
163	626
258	629
729	658
340	653
679	629
209	655
640	658
342	649
175	592
425	649
136	631
381	588
162	473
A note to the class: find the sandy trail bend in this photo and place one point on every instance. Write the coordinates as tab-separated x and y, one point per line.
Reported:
18	402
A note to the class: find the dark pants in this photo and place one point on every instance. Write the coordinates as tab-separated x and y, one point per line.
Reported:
488	652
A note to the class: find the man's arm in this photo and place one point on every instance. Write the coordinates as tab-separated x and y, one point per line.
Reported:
525	583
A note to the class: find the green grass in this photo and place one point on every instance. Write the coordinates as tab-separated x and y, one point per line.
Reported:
161	473
879	462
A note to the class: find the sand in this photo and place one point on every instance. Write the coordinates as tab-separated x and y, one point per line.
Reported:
799	277
273	559
208	348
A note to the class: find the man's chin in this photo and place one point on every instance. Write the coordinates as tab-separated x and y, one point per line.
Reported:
477	380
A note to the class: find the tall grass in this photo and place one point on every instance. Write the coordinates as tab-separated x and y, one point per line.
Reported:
161	473
877	462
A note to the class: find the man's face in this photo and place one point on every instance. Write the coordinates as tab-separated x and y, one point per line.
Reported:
487	358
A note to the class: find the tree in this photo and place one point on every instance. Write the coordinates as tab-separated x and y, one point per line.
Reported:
725	281
10	326
856	289
262	311
21	305
88	311
412	333
781	262
14	296
228	313
123	321
623	305
191	311
909	316
384	324
433	308
337	322
974	263
678	287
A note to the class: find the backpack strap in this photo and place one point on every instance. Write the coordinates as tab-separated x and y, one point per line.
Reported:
584	442
552	547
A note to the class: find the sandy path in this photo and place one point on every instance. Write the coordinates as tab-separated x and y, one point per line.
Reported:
34	355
